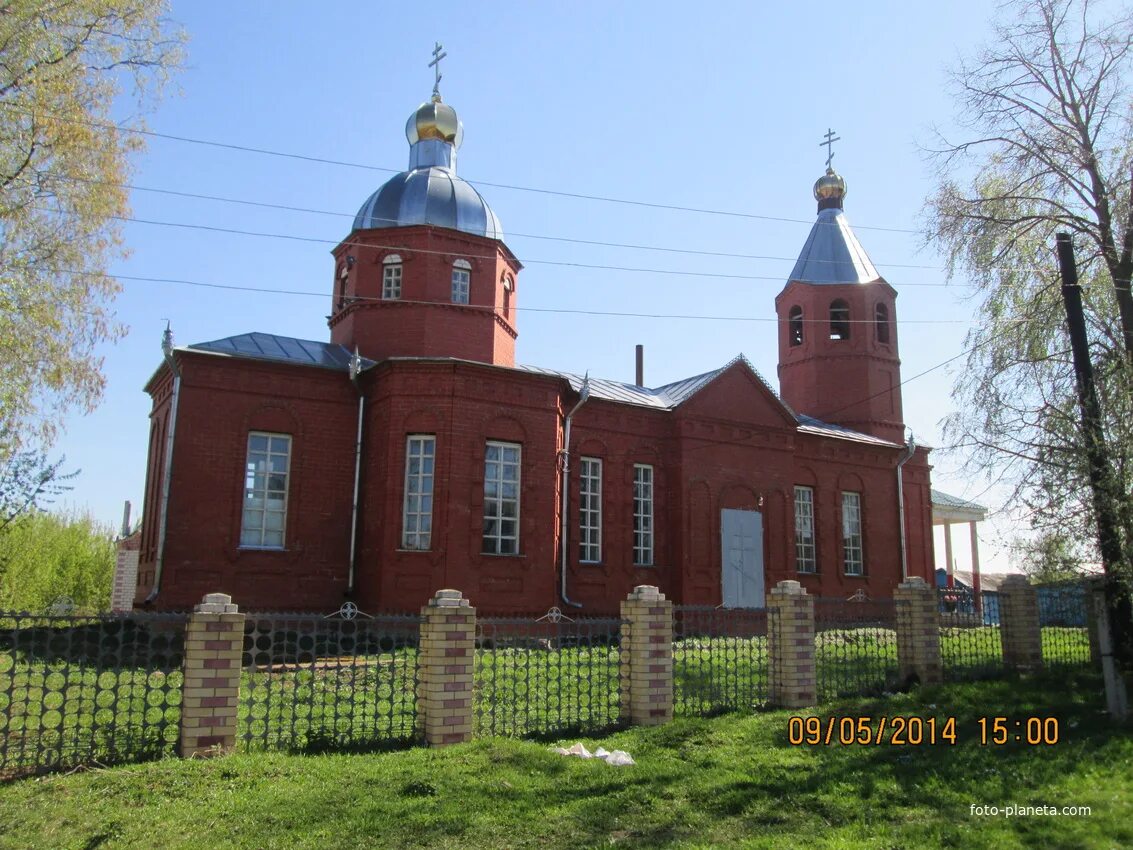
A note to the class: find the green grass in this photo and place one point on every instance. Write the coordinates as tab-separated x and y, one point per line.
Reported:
966	653
58	712
712	674
730	781
855	661
1065	645
367	699
535	691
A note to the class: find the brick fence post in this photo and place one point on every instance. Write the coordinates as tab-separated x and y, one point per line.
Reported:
214	645
1019	624
444	676
918	632
646	668
790	634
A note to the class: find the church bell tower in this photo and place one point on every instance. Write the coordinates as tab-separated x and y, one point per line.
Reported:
837	320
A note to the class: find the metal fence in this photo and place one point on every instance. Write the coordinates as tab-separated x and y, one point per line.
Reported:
88	690
855	646
316	683
971	646
1063	614
550	675
720	659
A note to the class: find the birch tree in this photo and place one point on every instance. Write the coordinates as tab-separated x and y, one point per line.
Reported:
63	163
1044	144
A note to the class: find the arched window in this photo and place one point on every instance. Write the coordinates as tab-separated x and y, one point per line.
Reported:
340	288
795	325
881	323
391	277
509	287
839	320
461	280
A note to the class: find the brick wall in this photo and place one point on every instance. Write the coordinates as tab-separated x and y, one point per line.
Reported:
425	322
703	463
854	382
126	573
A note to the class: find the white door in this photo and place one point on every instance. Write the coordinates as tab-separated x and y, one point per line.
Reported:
741	535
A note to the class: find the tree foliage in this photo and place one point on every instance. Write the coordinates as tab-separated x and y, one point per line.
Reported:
63	163
1051	556
1046	113
46	557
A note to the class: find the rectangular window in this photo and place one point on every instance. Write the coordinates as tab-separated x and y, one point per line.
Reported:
391	281
852	558
642	515
590	511
417	512
805	560
460	281
265	490
501	498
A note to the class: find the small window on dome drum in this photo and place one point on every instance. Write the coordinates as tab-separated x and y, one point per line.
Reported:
461	281
391	277
839	320
340	290
881	323
509	288
795	325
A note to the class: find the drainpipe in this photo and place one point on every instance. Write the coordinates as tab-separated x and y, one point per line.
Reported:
167	474
584	396
910	449
355	369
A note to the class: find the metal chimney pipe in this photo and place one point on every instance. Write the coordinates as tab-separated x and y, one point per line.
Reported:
639	372
126	519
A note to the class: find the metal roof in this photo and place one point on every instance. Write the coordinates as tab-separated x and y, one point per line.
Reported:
617	391
664	397
430	192
939	497
832	253
304	352
949	508
669	396
433	195
285	349
810	425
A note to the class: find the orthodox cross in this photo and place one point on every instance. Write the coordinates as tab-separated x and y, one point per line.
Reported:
829	144
438	55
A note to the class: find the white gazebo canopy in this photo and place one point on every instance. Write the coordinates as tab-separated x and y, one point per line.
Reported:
948	510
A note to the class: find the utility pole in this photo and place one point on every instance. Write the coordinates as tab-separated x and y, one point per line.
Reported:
1115	638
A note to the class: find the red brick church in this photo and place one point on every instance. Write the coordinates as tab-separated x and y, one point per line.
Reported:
411	453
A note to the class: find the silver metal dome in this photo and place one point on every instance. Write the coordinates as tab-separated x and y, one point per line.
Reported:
833	254
430	192
433	195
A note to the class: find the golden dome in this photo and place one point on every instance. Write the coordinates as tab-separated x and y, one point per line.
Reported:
830	185
435	120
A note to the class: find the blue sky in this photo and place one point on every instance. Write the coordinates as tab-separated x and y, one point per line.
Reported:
720	106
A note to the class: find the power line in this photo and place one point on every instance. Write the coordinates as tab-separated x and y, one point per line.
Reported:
404	249
513	187
566	239
576	241
486	308
921	374
927	371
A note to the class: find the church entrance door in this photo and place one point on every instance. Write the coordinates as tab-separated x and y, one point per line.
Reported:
741	570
